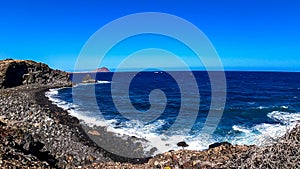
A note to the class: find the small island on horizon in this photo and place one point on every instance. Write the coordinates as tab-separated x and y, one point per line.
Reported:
98	70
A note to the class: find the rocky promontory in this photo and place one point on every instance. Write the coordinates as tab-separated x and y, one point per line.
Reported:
19	72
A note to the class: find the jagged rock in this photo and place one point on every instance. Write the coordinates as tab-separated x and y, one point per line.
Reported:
226	144
18	72
182	144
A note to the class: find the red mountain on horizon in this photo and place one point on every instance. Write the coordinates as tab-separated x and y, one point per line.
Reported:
102	69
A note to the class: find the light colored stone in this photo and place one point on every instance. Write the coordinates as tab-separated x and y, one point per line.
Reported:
94	132
2	118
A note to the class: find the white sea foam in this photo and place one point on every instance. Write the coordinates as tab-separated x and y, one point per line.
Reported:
164	142
103	81
130	128
261	107
261	133
257	134
241	129
284	117
266	131
268	107
51	95
149	132
135	128
284	107
52	92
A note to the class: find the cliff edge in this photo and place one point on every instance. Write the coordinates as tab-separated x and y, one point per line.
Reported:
19	72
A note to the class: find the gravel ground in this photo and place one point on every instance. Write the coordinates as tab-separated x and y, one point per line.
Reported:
45	133
34	133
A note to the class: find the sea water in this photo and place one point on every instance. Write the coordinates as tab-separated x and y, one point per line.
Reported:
259	106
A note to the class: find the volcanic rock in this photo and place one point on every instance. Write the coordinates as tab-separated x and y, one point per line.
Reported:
182	144
18	72
226	144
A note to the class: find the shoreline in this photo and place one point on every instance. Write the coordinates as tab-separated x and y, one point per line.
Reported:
65	118
26	109
222	149
59	135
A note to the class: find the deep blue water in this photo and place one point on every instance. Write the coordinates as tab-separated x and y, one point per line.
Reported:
258	105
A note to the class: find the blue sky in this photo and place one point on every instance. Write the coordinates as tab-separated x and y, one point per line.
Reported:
248	34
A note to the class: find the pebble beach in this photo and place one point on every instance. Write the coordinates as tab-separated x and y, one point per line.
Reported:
37	134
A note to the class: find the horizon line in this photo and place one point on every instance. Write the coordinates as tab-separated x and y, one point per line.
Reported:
128	71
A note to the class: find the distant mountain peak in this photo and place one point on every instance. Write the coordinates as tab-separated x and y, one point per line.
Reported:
102	69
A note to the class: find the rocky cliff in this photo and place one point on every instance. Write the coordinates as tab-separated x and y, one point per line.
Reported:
18	72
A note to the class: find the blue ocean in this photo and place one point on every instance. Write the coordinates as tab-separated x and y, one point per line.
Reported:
259	106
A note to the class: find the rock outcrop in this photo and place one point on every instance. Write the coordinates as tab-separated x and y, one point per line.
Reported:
18	72
88	79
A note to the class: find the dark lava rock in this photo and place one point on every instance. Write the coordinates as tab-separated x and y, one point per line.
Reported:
18	72
226	144
2	124
182	144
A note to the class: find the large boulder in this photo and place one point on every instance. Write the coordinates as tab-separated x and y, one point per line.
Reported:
18	72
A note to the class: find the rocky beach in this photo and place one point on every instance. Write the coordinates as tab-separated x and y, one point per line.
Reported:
37	134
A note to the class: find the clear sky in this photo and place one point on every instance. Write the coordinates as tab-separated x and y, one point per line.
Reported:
247	34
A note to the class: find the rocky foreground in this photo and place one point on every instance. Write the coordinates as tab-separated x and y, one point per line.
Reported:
284	154
37	134
32	135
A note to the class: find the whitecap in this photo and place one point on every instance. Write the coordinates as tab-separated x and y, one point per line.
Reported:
284	117
284	107
241	129
264	133
103	82
261	107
